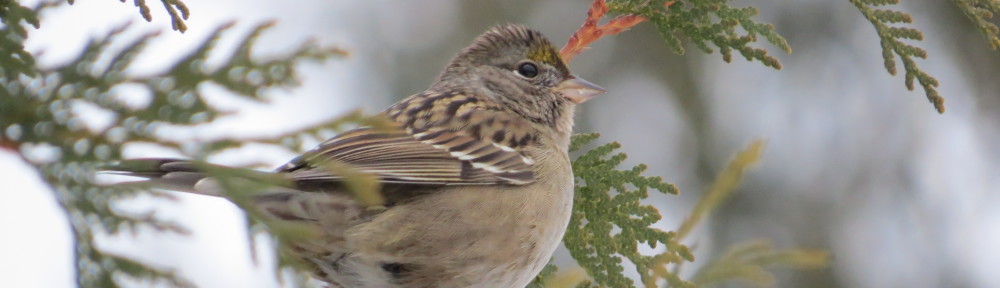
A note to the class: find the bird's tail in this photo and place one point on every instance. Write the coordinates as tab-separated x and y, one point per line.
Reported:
167	173
330	213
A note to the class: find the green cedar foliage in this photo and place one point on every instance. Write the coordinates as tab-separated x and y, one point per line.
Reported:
39	111
610	223
980	12
175	8
707	21
731	28
892	44
40	120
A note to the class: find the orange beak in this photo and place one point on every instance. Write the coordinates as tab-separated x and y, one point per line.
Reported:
578	90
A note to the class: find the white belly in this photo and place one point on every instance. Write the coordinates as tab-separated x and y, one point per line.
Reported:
472	236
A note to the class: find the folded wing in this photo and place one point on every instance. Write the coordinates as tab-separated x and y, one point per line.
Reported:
428	157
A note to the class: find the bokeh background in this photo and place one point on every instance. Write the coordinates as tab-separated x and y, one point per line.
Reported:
855	164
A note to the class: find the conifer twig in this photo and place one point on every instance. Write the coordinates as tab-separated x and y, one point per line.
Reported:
591	31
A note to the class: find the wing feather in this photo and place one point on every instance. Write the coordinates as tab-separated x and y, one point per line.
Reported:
427	157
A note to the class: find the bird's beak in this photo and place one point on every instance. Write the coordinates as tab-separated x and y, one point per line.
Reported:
578	90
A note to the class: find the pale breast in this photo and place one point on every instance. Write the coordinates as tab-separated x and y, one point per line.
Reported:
468	236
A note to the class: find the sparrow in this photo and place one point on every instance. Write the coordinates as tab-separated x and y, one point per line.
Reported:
474	172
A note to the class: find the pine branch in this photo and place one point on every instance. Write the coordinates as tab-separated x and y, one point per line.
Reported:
892	46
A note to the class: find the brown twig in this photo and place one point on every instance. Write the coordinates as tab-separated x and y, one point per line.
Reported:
9	145
591	31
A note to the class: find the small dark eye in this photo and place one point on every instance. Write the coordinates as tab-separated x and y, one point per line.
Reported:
528	70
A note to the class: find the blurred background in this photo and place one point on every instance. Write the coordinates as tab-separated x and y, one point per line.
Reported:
855	164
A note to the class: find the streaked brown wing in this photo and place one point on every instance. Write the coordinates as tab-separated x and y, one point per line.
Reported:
428	157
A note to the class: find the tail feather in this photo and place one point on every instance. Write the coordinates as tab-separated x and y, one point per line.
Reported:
328	209
167	173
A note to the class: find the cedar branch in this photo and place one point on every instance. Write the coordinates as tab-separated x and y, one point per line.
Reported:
590	31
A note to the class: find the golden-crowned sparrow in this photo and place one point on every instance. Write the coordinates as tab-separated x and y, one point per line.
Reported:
476	177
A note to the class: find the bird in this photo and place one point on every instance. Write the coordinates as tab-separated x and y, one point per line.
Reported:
474	172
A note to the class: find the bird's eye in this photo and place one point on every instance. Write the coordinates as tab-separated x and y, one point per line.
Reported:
528	70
